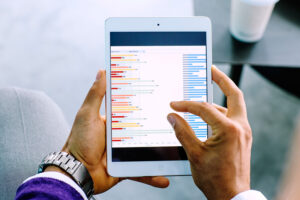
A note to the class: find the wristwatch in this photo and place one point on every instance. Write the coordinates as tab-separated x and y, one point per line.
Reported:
73	167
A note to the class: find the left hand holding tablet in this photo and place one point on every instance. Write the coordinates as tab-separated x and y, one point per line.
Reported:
86	141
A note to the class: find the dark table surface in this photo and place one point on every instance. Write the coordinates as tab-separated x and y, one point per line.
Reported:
280	46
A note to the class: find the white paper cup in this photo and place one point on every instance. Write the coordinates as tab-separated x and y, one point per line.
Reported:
249	18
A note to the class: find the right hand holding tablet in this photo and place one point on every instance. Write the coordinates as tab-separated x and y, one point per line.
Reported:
220	165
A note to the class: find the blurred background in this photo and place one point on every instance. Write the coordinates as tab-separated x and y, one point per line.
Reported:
57	46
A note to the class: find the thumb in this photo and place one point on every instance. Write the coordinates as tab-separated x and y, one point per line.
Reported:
184	133
95	95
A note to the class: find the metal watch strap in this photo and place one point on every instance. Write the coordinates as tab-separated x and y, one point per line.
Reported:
73	167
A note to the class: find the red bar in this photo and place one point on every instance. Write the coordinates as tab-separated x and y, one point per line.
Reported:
113	72
117	128
116	57
118	116
113	65
114	121
117	76
120	98
117	140
114	88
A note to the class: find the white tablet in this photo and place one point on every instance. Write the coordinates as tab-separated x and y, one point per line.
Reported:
149	63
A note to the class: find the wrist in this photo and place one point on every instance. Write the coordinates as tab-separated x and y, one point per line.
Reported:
52	168
220	194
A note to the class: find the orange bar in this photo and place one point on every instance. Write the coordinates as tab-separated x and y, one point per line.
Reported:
119	138
119	67
121	111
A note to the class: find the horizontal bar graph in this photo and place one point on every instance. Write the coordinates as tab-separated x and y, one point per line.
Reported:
195	90
144	79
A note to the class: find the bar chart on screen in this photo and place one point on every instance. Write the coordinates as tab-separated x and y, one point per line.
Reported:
144	80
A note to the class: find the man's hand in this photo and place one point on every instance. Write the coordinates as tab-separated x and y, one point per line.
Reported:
86	141
221	165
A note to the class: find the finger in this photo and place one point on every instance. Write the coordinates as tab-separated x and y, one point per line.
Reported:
95	96
235	100
155	181
220	108
203	109
184	133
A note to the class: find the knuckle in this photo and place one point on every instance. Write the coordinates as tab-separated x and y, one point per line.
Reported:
84	114
233	128
94	89
247	132
239	93
237	130
203	105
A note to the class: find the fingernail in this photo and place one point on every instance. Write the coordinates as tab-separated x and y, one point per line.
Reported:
172	120
98	77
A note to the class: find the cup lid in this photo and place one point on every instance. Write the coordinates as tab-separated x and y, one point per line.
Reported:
260	2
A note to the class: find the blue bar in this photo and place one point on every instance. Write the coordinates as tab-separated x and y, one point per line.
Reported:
193	82
198	96
193	94
197	78
191	75
190	96
192	59
186	65
195	90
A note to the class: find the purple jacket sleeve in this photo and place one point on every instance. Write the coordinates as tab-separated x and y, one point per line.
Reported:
46	188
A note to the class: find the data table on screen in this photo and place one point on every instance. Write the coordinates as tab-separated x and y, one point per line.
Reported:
144	80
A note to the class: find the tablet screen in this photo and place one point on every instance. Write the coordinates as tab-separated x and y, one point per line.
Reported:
148	71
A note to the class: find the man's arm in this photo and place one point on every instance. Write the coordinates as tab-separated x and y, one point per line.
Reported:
50	185
86	143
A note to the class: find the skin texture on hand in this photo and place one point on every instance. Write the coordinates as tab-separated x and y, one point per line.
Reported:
86	141
221	165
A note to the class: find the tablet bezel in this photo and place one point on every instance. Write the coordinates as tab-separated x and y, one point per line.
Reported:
166	24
